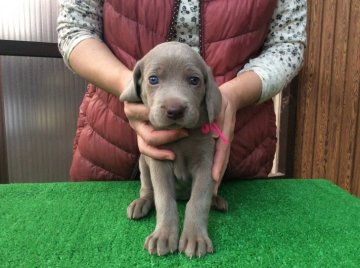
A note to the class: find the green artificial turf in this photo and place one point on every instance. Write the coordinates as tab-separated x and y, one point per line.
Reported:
270	223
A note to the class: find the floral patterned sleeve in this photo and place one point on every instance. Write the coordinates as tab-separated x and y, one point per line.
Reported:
279	62
78	20
282	55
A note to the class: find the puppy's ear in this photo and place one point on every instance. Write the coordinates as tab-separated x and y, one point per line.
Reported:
132	93
212	96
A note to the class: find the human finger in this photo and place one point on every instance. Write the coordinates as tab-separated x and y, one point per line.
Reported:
226	121
136	111
221	159
158	137
153	152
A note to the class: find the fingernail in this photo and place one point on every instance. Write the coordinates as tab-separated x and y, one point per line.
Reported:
170	157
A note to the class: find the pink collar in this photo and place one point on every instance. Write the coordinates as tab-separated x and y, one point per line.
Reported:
207	127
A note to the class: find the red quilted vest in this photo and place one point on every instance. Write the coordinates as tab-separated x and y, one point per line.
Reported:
231	33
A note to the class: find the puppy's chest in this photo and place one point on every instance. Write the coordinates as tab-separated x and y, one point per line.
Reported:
190	155
183	178
181	169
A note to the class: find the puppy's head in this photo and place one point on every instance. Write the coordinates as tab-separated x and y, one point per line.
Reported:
177	86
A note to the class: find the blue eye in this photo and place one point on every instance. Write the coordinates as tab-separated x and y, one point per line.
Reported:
154	80
194	80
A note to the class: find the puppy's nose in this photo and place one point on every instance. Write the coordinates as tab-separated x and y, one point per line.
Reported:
175	111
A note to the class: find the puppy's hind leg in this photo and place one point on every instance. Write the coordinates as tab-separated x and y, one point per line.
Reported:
140	207
219	203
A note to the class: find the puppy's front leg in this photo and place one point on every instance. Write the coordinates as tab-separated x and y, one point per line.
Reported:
165	237
140	207
194	240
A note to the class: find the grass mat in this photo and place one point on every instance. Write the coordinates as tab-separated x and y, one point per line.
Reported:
271	223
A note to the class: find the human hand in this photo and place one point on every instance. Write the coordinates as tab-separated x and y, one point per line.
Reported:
226	122
148	138
242	91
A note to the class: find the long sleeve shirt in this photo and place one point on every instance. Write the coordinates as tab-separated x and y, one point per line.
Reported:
279	61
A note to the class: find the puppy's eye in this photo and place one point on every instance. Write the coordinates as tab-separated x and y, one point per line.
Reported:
194	80
154	80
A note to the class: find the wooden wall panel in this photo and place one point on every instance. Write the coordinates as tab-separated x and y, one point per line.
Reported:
337	88
351	101
325	80
353	83
308	94
327	141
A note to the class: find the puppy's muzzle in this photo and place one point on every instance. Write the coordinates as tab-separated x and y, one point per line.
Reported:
174	110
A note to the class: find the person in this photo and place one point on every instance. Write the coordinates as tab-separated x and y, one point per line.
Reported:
254	49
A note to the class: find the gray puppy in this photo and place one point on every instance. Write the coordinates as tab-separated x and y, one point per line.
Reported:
179	89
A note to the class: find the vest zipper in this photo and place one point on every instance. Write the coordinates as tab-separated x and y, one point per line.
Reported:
172	29
201	28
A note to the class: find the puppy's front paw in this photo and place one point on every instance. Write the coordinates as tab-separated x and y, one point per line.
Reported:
162	241
195	242
139	208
